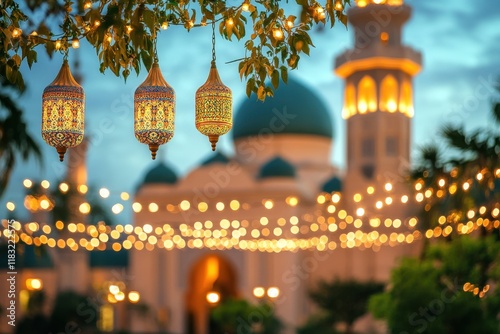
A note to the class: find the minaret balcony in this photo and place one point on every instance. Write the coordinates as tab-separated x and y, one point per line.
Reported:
378	56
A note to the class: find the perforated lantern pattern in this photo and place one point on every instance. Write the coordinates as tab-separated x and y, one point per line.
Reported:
214	107
63	112
154	111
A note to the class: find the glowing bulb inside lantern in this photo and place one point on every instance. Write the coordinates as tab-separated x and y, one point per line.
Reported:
164	25
75	43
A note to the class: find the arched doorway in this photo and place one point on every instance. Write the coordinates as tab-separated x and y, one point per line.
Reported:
212	273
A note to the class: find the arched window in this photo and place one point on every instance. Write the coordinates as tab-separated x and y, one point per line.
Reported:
349	101
367	95
389	94
406	100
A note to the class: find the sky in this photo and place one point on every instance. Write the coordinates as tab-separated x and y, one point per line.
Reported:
459	40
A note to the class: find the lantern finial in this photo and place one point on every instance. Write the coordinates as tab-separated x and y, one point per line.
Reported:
213	139
153	148
61	150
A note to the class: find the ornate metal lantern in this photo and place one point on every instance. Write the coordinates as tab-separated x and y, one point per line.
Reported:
214	104
154	110
63	112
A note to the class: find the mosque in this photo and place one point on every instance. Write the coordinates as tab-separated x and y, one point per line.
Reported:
268	190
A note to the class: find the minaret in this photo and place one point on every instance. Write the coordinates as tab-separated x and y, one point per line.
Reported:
378	107
378	103
73	266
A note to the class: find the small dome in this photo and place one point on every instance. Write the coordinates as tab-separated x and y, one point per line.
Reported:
216	158
109	258
294	109
333	185
277	167
35	257
160	174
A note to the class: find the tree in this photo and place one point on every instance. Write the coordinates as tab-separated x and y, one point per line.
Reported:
34	322
452	287
124	32
466	178
239	316
15	141
73	312
435	294
343	301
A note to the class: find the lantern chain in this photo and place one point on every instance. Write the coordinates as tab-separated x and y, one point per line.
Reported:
154	35
213	41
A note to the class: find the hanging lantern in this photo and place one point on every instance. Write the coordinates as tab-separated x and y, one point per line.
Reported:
154	110
214	105
63	112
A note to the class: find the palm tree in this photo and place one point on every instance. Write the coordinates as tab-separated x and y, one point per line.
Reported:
472	165
472	157
15	141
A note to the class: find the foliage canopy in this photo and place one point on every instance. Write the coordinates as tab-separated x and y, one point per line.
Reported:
123	33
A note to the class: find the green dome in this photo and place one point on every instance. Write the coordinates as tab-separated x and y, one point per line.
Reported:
216	158
333	185
160	174
109	258
294	109
35	257
277	167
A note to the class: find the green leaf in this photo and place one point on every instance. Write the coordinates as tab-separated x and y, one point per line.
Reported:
9	73
148	17
17	59
250	86
284	74
125	74
146	59
262	73
261	93
242	67
275	79
31	57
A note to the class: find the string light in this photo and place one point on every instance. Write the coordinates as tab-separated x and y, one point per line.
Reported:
16	32
245	6
278	34
237	234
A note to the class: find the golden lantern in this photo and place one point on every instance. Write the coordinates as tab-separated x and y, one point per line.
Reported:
214	104
63	112
154	110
